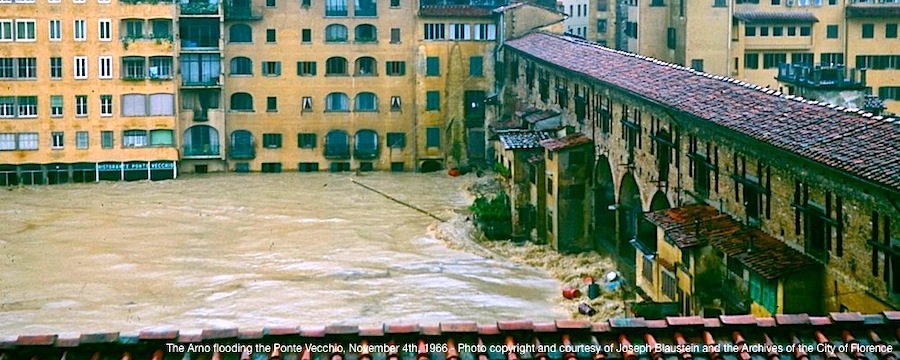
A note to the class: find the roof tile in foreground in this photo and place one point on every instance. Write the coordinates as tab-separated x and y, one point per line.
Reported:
858	143
672	338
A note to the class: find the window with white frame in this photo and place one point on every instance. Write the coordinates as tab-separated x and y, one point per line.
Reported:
106	67
8	68
79	1
105	30
28	141
55	30
25	30
81	140
27	106
435	32
106	105
460	32
485	31
6	30
56	140
7	106
56	105
7	141
81	67
56	68
80	30
53	1
160	67
27	68
81	105
133	67
307	103
134	138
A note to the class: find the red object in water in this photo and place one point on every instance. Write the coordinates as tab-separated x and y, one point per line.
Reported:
453	172
570	293
588	280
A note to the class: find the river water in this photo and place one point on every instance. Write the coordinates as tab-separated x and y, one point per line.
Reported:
250	250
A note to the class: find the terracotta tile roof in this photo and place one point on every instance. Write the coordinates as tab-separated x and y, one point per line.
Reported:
849	140
776	16
522	139
853	336
695	225
887	10
565	142
455	11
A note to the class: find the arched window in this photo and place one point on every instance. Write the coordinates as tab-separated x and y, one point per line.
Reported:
337	145
337	102
366	66
365	145
241	145
200	140
241	66
240	33
366	101
241	102
336	66
365	33
335	33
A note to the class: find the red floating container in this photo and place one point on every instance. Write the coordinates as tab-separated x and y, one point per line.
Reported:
570	293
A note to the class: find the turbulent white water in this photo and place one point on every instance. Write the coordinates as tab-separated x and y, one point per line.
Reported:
249	250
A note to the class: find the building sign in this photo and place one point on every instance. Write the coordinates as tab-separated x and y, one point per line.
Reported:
131	166
162	165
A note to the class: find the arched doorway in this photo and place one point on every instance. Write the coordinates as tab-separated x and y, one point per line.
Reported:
630	212
646	230
430	166
604	210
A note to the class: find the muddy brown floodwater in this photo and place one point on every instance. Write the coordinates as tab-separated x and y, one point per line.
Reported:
250	250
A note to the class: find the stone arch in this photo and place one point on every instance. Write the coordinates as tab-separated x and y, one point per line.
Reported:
604	213
629	212
430	166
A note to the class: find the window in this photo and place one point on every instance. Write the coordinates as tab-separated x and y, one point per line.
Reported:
831	58
335	7
890	31
272	141
81	105
763	31
476	66
307	103
106	139
7	141
395	68
241	102
792	31
162	104
697	64
134	138
106	105
485	31
105	67
805	30
27	68
57	140
6	30
670	38
28	141
270	3
305	3
395	36
80	30
778	31
306	68
868	31
432	100
81	67
306	140
433	137
160	67
395	103
336	66
271	104
306	35
56	68
8	68
889	92
25	30
335	33
601	26
460	32
365	8
716	3
133	68
81	140
7	106
776	2
162	28
55	30
365	33
337	102
241	66
831	31
270	36
395	3
162	137
802	58
105	29
366	66
669	285
271	68
27	106
432	66
396	140
240	33
771	60
134	105
366	101
56	105
434	32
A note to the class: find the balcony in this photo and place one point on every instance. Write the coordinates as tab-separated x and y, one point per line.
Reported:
873	9
241	13
818	76
199	8
201	151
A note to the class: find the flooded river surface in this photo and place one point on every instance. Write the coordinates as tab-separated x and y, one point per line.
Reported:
250	250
